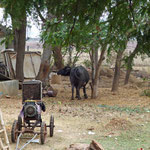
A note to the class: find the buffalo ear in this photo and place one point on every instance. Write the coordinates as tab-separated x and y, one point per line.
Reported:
68	69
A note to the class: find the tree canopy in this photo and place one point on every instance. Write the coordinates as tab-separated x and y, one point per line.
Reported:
87	24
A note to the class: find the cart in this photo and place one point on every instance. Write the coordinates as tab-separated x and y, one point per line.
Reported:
30	115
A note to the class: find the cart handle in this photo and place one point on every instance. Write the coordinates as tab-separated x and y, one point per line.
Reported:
32	100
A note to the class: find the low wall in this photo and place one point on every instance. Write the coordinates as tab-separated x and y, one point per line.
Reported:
10	87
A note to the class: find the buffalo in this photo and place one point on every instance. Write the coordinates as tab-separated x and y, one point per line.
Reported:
79	77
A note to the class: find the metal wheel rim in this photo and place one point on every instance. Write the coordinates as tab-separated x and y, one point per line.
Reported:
51	126
43	132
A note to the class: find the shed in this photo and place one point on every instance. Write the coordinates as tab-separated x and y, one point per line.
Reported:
32	63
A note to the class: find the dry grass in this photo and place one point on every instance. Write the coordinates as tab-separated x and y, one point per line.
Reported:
81	121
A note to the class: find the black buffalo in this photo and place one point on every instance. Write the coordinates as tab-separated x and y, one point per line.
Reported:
79	77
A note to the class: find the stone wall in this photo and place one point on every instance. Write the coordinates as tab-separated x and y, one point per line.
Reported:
9	87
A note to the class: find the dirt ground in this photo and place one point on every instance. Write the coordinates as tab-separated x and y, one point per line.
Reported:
104	119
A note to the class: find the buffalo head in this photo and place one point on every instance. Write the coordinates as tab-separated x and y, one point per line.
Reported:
65	71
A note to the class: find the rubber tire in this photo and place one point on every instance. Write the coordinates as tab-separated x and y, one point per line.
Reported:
19	123
43	132
14	135
51	126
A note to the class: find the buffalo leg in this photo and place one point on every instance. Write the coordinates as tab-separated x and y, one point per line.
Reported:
72	92
78	93
84	91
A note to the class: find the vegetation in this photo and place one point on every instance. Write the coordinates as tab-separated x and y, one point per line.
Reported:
92	27
132	139
98	28
125	109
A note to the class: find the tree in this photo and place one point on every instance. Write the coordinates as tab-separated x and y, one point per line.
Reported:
44	70
43	74
129	61
85	28
18	12
81	25
96	72
115	83
120	25
49	49
81	19
58	59
19	46
140	33
142	47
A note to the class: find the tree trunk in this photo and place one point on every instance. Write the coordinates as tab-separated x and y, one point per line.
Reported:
43	74
94	60
117	72
128	72
70	55
58	59
16	37
129	64
19	47
95	80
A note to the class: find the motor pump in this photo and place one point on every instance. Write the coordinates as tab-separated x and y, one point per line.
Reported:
30	110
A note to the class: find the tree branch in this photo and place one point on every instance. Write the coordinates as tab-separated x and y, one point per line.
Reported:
39	13
74	21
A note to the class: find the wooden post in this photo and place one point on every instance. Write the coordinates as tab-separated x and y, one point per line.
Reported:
3	130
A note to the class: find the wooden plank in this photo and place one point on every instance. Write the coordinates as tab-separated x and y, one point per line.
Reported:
33	65
7	64
5	133
11	67
1	144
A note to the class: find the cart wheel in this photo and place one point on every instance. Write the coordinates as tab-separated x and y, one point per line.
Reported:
19	123
43	132
14	133
51	126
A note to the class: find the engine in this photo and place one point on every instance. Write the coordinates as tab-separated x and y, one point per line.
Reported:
31	110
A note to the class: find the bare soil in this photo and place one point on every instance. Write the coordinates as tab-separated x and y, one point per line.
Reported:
80	121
